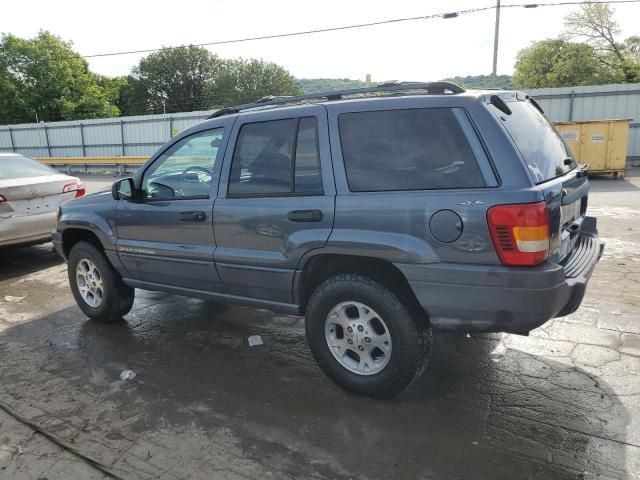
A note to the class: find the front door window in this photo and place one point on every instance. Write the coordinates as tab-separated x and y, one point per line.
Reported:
185	170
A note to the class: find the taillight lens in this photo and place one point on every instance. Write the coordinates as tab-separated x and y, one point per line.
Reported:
74	187
3	198
520	232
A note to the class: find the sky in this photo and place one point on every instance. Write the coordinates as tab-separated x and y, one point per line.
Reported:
414	51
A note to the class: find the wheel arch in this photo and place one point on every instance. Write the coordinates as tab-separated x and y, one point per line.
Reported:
71	236
322	266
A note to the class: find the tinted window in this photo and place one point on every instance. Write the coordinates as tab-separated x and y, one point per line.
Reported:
307	176
12	167
538	141
185	169
262	161
407	150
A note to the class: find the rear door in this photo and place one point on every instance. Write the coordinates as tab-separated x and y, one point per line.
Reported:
276	200
166	236
553	168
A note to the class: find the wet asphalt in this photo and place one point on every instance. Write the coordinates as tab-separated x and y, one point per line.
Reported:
563	403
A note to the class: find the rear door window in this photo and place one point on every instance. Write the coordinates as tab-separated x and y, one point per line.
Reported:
540	145
277	157
415	149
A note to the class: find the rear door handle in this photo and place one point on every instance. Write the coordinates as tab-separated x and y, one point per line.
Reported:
304	215
193	216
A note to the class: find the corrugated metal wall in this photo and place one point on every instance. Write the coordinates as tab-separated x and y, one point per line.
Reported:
142	135
598	102
125	136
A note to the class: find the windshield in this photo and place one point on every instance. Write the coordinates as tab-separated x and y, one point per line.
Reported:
542	148
17	166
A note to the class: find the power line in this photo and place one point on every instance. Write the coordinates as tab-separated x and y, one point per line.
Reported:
443	15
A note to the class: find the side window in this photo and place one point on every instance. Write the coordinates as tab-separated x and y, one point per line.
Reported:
276	157
307	175
185	169
416	149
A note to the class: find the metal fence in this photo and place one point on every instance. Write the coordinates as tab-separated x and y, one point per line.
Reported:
142	135
109	137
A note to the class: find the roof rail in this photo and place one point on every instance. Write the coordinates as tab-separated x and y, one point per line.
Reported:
436	88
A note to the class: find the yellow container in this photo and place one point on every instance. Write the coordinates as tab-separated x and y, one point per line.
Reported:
601	144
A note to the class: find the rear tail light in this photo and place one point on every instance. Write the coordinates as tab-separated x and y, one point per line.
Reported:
520	232
3	198
74	187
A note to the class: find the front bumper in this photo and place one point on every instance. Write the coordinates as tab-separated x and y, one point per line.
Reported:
475	298
56	238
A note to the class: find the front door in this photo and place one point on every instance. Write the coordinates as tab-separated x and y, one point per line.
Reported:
276	200
166	236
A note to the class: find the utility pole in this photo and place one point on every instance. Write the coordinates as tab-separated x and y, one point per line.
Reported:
495	44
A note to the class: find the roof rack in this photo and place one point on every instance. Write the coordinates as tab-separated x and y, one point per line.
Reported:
434	88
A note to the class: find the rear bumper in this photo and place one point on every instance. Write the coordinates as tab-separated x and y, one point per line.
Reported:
471	298
27	229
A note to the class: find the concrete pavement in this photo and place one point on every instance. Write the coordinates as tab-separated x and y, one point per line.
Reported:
563	403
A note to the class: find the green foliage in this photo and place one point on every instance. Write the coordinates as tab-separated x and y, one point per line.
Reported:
594	23
43	76
244	81
316	85
191	78
559	63
482	81
172	80
599	58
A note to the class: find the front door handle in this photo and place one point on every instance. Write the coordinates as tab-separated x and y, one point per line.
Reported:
193	216
304	216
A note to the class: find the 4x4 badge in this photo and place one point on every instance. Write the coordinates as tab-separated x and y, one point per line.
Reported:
474	202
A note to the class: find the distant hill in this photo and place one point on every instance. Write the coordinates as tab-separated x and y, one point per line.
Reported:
314	85
482	81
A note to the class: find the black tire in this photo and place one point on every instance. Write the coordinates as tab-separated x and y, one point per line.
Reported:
406	324
117	298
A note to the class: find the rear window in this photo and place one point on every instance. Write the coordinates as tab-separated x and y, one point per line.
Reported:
13	167
540	145
416	149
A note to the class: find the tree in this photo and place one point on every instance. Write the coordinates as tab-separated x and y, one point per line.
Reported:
595	25
559	63
173	80
245	81
43	76
482	81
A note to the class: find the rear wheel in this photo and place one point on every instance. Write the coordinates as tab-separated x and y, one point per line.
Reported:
96	286
364	338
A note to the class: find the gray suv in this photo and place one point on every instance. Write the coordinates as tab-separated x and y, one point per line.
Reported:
380	214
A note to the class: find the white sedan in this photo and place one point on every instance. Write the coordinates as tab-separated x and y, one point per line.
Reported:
30	193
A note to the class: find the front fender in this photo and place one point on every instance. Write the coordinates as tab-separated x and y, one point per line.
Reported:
93	223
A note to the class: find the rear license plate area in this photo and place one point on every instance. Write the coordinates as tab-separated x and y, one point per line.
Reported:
571	218
35	206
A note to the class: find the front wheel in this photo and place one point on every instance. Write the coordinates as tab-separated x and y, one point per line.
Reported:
98	289
364	338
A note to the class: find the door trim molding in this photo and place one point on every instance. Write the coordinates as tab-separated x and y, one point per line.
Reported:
278	307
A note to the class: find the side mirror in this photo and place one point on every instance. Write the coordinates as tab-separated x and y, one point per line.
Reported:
123	189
